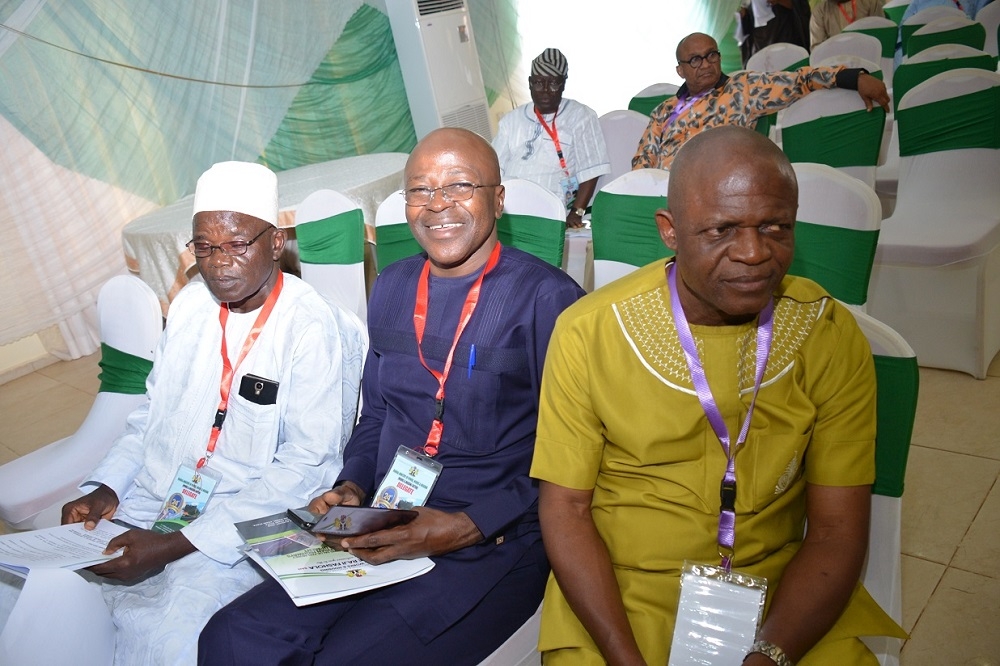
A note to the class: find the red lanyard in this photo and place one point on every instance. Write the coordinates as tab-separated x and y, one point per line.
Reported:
420	322
854	11
554	135
229	370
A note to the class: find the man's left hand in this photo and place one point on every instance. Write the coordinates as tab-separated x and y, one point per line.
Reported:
432	532
145	551
573	221
873	92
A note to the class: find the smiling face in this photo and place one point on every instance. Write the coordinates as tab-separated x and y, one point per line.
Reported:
707	74
242	281
731	223
457	236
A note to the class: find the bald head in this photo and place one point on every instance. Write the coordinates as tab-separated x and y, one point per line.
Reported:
698	38
718	154
468	147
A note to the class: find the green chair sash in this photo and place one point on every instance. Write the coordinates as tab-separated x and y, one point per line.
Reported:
969	121
540	236
905	32
839	260
336	240
973	35
898	381
394	242
797	65
844	140
765	123
909	75
645	105
122	372
886	37
624	228
895	14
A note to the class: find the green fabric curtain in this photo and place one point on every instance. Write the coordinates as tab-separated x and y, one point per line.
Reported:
394	242
969	121
539	236
824	140
973	35
645	105
624	228
357	90
886	37
122	372
908	75
898	384
839	259
336	240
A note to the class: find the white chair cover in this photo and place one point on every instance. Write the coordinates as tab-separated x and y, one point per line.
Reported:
989	16
925	16
59	618
521	649
776	57
622	130
943	24
937	271
523	197
847	43
874	23
391	216
658	89
344	284
36	485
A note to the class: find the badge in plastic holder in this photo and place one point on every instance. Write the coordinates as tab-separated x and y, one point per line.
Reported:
186	500
409	481
569	185
717	616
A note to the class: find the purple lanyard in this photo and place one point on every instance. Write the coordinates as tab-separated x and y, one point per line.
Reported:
765	327
683	105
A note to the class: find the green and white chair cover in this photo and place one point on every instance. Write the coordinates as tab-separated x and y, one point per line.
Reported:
836	232
894	10
948	30
847	43
885	31
622	131
898	379
651	97
330	230
923	17
393	238
776	58
36	485
623	224
833	127
989	16
533	220
936	278
934	60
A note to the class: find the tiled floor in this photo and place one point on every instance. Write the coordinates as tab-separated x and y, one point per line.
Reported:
951	507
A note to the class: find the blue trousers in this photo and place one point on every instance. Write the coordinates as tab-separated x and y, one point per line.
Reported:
264	627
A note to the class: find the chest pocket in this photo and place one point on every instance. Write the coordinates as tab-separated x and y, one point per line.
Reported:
249	432
777	466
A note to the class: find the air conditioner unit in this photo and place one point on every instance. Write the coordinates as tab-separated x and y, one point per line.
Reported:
440	65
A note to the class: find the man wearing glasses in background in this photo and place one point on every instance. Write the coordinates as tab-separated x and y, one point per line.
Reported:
552	141
458	339
709	98
252	396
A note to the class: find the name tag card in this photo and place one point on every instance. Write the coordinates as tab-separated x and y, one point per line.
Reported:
717	616
186	499
409	481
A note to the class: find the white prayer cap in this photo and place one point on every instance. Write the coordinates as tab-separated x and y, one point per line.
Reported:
241	187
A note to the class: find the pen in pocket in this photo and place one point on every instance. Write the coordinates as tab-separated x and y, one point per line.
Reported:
472	360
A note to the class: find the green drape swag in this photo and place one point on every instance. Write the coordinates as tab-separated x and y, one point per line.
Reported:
848	139
336	240
624	228
839	260
969	121
540	236
122	372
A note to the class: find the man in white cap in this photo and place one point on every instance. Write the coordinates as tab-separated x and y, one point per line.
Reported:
552	141
252	396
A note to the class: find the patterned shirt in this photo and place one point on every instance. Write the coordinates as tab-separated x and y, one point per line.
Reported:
740	100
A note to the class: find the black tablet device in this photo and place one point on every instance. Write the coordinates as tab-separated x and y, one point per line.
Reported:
351	520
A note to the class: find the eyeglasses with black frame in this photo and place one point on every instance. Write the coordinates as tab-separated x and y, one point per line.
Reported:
461	191
694	62
236	248
543	83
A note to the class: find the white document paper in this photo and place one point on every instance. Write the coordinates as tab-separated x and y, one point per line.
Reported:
63	547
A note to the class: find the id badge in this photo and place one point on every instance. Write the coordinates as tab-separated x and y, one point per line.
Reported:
569	186
717	615
409	481
186	500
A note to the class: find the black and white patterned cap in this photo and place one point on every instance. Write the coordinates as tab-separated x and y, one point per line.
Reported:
551	62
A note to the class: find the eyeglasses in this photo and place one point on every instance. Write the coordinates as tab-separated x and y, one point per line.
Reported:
421	196
712	57
202	249
539	84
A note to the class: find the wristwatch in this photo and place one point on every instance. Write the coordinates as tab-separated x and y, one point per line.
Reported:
772	652
580	212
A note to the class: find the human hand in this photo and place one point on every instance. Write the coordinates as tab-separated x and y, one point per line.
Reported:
346	494
89	509
573	221
144	551
432	532
873	91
